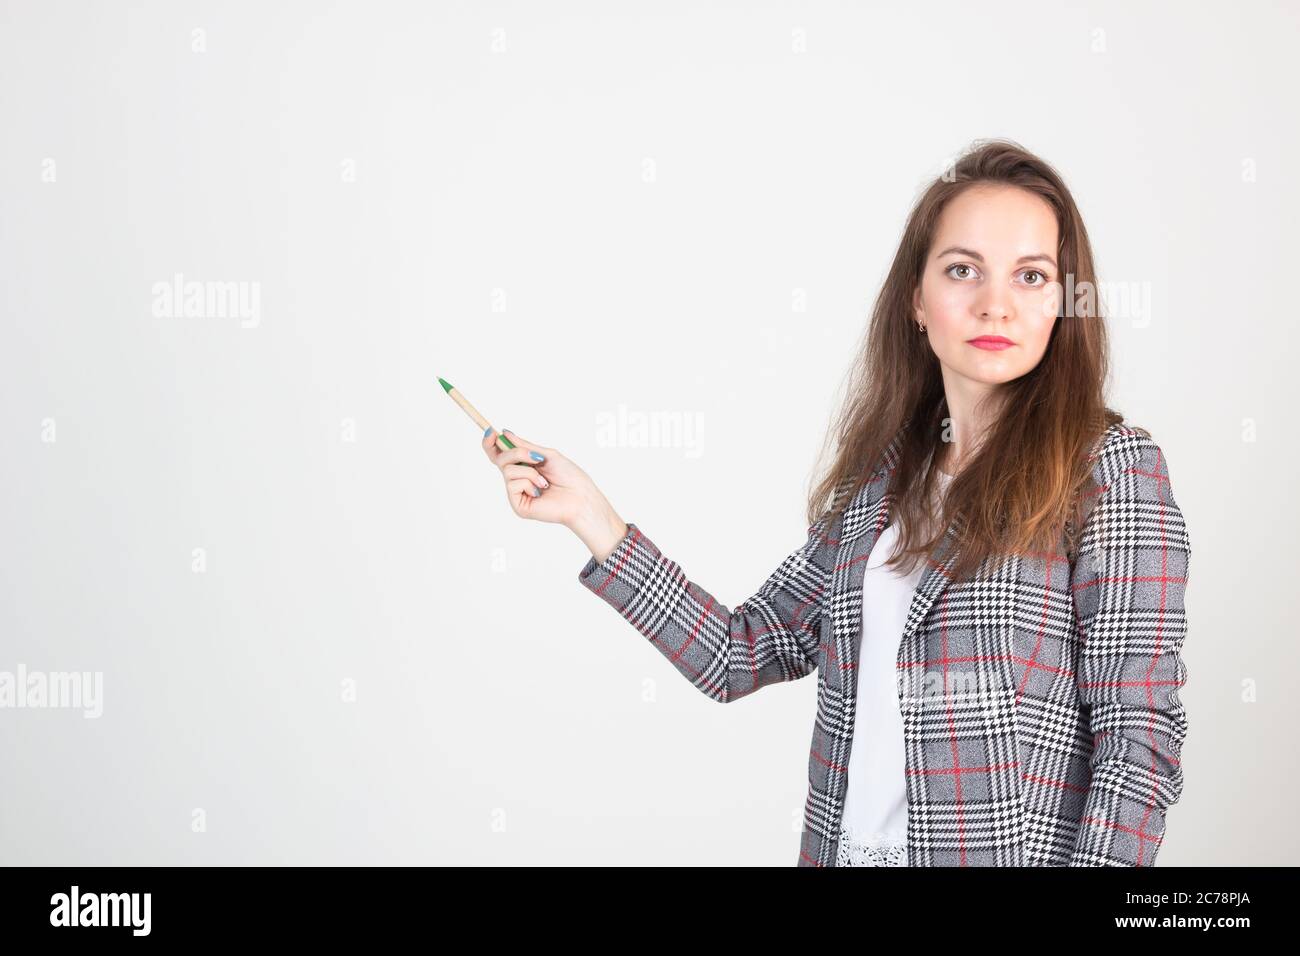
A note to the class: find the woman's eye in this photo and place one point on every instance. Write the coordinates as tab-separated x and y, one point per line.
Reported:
958	265
1041	278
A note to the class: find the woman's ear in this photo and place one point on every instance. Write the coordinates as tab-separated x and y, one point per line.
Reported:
918	309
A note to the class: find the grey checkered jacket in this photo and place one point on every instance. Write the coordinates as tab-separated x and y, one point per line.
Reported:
1040	710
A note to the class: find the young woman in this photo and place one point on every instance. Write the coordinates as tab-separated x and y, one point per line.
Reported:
992	586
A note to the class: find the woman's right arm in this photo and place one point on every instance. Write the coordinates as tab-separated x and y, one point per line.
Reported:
775	635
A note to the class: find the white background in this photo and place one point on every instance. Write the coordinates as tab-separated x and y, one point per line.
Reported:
499	155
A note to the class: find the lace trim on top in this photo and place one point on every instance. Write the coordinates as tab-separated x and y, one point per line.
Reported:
881	850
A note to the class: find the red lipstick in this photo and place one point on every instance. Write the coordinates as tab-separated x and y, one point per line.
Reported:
992	342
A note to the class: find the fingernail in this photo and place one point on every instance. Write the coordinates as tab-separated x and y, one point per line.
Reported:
487	431
545	483
537	457
536	493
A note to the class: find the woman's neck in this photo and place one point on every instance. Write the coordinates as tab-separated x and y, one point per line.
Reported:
941	458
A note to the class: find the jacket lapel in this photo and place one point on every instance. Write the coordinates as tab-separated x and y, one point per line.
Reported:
933	582
866	517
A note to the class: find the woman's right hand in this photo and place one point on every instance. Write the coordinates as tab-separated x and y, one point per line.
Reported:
554	489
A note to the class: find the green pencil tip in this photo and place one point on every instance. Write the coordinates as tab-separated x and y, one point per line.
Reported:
446	385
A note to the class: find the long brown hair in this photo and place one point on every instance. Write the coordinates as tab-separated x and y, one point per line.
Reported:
1021	490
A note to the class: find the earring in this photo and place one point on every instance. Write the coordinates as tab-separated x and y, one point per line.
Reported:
920	327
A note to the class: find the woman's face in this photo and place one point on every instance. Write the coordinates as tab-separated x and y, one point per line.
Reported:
987	274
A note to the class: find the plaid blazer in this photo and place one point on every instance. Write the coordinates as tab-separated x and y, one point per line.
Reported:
1041	719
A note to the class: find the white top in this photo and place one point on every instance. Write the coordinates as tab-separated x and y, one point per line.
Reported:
875	809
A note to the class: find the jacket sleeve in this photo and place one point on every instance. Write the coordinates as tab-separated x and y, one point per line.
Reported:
727	654
1128	583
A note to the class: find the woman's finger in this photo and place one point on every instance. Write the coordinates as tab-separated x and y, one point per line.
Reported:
500	456
490	446
520	489
527	472
535	452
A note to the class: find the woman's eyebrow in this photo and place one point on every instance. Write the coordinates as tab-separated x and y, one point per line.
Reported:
963	251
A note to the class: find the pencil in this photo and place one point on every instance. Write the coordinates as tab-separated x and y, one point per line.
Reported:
473	412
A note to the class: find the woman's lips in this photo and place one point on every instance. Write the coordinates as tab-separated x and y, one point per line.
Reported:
993	345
